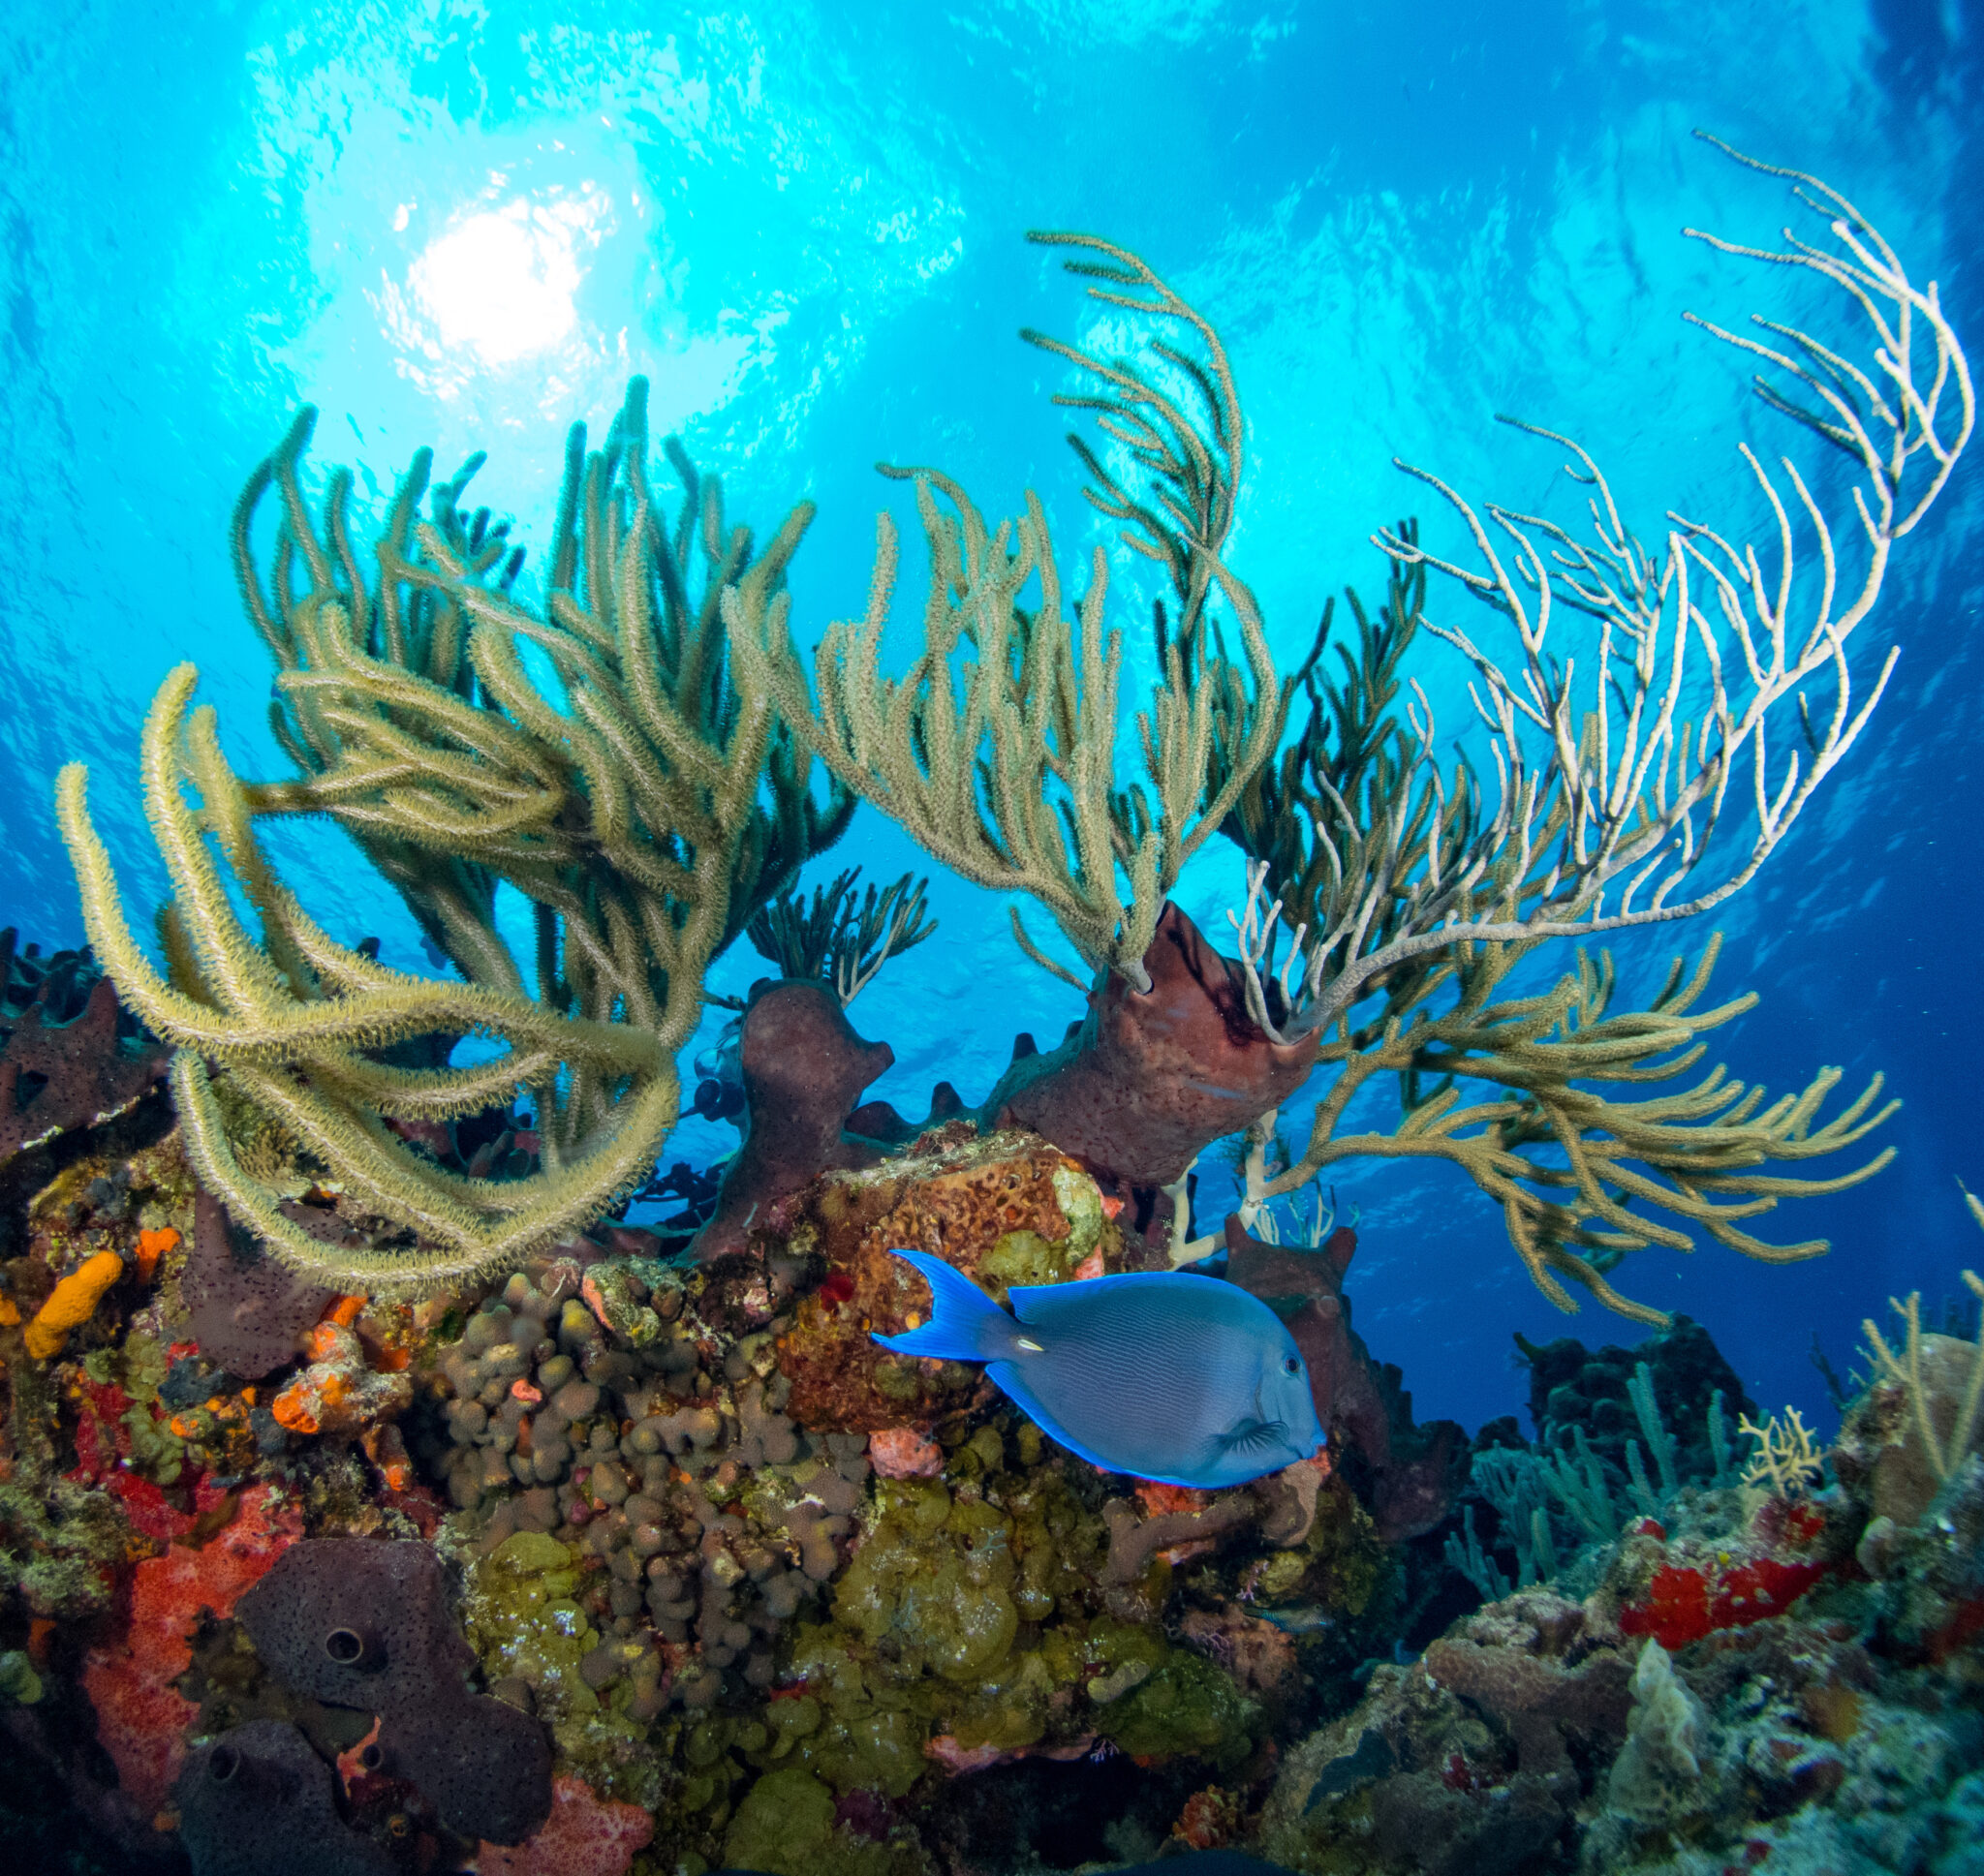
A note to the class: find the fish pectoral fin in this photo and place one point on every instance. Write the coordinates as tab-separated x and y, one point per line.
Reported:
1254	1436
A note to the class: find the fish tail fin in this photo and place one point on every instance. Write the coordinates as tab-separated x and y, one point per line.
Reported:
964	1324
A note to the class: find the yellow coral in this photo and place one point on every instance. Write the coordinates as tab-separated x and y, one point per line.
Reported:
1785	1459
71	1302
1945	1444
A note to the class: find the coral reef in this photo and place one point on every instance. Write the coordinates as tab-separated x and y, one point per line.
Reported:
1575	1389
1002	1208
387	1504
704	1572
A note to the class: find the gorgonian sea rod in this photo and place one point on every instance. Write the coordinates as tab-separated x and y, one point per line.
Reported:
1629	777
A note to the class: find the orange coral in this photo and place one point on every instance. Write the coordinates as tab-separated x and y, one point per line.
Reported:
71	1302
337	1393
903	1452
151	1247
1210	1819
1159	1499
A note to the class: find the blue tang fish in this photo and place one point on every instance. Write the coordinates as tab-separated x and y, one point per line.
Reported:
1184	1379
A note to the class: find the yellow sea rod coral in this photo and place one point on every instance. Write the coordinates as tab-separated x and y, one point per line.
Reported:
71	1302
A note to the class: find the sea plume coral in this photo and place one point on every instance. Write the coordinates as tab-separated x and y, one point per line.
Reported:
635	826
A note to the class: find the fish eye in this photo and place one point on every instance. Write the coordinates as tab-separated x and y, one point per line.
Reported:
1293	1364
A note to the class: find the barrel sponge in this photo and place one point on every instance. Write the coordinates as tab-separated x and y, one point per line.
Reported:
71	1302
258	1798
484	1767
357	1621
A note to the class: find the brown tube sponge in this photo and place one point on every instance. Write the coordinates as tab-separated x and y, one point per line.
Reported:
1149	1080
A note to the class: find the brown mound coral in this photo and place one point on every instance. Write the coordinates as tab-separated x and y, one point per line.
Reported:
1006	1209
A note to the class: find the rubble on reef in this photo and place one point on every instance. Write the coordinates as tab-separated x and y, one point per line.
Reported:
643	1564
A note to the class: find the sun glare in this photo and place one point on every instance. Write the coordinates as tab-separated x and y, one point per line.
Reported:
502	283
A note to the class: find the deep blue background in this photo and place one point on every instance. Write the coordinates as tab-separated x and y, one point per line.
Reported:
804	223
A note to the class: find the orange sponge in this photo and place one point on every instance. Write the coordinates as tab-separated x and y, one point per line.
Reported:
71	1302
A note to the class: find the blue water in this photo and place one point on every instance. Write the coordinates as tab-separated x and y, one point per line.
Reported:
465	225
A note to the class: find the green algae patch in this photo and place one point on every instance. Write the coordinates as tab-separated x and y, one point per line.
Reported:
138	1366
1081	1200
785	1826
1025	1257
1185	1705
1012	1711
863	1729
933	1585
1059	1546
522	1619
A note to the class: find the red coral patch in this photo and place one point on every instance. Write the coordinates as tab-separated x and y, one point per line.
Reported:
142	1719
1683	1605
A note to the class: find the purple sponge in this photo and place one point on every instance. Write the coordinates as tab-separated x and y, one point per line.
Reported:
258	1798
357	1622
363	1623
484	1767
